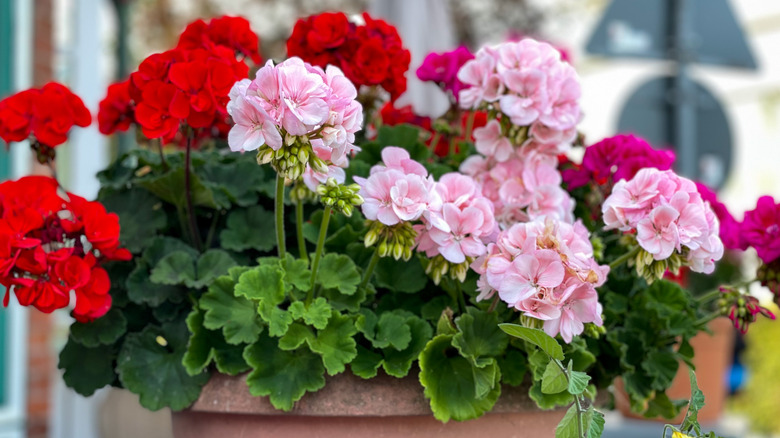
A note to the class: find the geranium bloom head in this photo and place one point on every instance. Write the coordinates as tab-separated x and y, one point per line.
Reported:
442	68
761	228
668	214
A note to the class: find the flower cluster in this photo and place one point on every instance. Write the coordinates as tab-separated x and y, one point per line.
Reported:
761	229
296	115
368	54
231	32
522	189
116	112
188	84
47	114
546	270
616	158
669	217
442	68
50	246
459	226
532	92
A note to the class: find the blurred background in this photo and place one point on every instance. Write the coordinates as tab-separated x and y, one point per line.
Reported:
703	75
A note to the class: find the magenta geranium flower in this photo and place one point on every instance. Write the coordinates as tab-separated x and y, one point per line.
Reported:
442	68
761	228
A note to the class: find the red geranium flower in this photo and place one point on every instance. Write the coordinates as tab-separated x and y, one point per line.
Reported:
117	111
234	33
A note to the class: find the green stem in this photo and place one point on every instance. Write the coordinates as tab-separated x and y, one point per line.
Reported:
706	320
212	228
435	140
299	230
625	257
318	253
470	125
370	269
279	210
461	297
194	233
580	425
493	303
709	296
162	155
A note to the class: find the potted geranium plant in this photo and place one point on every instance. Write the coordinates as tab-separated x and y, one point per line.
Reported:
264	236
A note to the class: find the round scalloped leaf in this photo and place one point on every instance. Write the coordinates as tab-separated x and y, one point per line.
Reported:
102	331
398	363
338	271
264	283
479	335
207	345
400	276
244	230
155	372
236	316
335	343
141	290
283	376
141	216
87	369
451	382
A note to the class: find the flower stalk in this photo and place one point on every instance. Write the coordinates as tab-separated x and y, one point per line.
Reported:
318	253
624	258
279	211
299	230
369	272
193	225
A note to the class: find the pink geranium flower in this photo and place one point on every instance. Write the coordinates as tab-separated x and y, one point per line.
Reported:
529	274
491	143
461	241
658	233
761	228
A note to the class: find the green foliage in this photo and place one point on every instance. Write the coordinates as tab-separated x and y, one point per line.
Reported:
452	383
103	331
155	371
282	375
141	216
338	272
536	337
235	315
246	229
87	369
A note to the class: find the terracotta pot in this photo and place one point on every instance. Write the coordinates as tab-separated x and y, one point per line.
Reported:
348	407
712	357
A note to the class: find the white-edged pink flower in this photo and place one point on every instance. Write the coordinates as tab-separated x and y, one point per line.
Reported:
253	127
461	241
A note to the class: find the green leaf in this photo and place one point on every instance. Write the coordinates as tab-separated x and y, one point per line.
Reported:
316	315
449	382
102	331
548	401
691	421
553	379
141	290
87	369
155	372
578	382
264	283
141	216
278	320
661	366
175	268
536	337
211	265
445	326
335	343
296	335
297	273
594	422
248	229
400	276
479	336
164	245
662	406
284	376
513	366
398	363
206	346
366	363
235	315
170	187
338	271
239	180
568	428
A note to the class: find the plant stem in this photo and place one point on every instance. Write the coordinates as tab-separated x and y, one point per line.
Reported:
162	155
461	297
279	210
435	140
580	428
709	296
370	269
194	233
318	253
299	231
493	303
625	257
470	125
705	320
212	228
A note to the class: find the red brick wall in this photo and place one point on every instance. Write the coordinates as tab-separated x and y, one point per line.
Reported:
41	360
